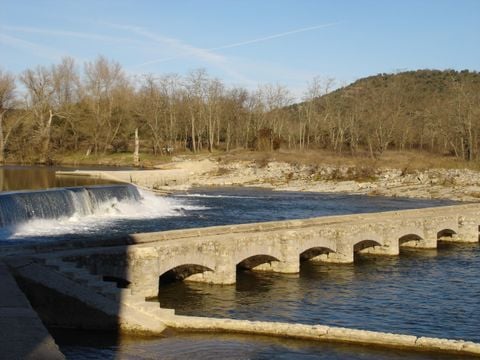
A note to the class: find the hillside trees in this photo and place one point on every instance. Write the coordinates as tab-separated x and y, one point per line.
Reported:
273	101
7	103
97	109
463	118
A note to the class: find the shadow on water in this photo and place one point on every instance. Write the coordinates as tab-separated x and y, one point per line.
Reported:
395	294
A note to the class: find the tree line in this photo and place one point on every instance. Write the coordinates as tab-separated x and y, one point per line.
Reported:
96	109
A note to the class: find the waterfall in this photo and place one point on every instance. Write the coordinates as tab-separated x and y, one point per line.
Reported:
21	206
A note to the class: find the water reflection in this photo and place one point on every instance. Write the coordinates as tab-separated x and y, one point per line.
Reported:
40	177
80	345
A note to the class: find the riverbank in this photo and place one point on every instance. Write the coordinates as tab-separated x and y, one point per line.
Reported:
359	177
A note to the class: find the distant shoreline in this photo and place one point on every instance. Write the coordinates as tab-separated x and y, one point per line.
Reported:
183	174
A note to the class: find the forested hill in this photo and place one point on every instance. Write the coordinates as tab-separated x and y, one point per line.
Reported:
95	110
424	109
426	81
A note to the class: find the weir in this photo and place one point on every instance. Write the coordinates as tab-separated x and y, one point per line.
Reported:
115	281
22	206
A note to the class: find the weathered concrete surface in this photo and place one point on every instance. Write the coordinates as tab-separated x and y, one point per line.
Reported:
22	334
324	333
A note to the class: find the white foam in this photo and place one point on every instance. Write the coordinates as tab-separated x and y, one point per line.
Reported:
150	206
217	196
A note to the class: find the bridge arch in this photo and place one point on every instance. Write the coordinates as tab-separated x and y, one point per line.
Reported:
314	244
254	261
363	245
314	252
409	240
256	254
446	234
181	267
410	229
181	272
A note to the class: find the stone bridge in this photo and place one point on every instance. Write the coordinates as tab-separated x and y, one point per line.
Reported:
104	284
214	254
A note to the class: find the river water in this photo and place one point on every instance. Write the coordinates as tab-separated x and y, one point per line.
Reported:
423	292
15	177
200	208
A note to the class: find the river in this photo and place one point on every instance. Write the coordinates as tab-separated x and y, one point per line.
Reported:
423	292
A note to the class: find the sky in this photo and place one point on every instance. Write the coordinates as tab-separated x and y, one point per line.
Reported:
245	42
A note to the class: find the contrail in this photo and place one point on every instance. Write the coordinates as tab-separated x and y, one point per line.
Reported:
248	42
265	38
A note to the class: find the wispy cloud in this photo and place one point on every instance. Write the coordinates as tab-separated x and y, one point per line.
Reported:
246	42
62	33
33	48
143	38
206	55
178	45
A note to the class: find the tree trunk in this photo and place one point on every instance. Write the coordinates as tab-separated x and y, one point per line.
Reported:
136	158
194	144
2	140
44	157
211	132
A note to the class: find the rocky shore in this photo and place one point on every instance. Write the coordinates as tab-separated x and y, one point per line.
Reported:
182	174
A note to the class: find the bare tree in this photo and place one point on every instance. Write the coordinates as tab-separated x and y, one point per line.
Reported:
102	79
310	117
40	89
66	96
7	102
215	92
196	85
275	98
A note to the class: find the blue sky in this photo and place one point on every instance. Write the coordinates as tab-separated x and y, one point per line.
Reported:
245	42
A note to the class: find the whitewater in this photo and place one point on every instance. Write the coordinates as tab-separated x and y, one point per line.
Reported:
40	215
